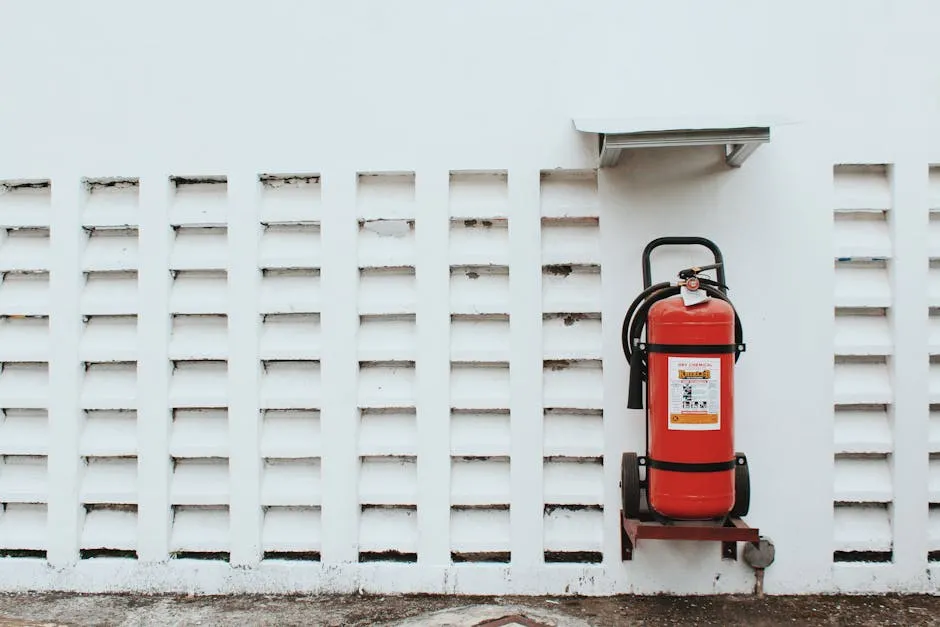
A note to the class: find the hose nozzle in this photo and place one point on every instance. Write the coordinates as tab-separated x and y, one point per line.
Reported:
635	388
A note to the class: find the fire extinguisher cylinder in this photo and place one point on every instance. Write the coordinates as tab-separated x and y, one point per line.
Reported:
691	408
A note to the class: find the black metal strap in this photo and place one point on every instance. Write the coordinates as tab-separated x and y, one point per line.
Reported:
693	349
690	467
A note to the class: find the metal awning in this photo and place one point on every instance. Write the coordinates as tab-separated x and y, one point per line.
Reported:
739	137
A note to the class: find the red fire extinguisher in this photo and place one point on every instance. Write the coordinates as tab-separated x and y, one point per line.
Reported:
693	340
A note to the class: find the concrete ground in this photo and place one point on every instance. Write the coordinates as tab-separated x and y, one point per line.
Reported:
414	610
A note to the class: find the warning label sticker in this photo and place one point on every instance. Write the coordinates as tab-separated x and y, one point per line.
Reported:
694	393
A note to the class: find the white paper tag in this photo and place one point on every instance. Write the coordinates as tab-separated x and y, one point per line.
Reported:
692	297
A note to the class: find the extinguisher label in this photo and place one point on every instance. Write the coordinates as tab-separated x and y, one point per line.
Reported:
694	393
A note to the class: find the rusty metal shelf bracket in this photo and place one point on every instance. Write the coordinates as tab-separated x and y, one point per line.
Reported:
729	534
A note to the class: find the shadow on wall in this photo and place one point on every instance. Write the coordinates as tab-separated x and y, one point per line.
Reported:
670	191
659	169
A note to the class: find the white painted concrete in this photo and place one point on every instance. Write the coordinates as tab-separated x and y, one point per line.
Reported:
295	279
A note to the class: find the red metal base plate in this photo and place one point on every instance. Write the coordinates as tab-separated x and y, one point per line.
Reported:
729	534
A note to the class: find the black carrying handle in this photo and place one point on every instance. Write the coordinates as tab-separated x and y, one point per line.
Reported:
682	241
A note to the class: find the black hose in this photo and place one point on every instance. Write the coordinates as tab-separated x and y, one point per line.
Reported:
635	321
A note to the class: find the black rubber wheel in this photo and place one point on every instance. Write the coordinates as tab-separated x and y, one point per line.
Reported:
742	487
630	485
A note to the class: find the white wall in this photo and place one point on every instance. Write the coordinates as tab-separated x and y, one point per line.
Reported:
298	385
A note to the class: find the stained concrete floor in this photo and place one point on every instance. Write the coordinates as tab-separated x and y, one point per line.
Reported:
413	610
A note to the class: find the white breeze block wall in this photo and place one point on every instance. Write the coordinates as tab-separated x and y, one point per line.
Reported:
328	298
